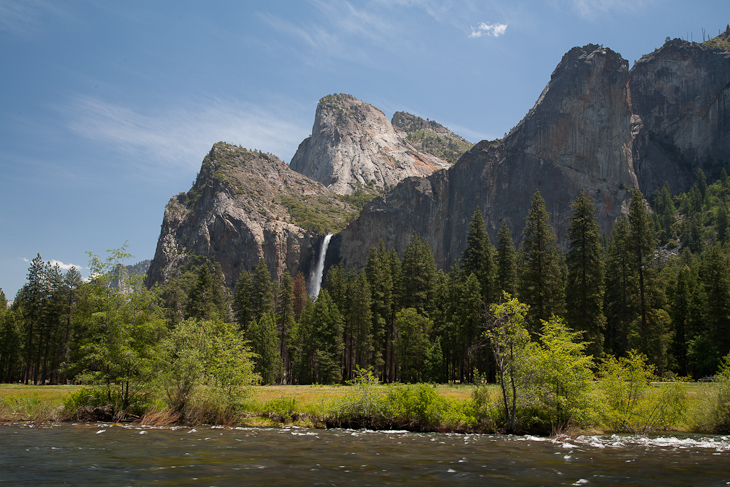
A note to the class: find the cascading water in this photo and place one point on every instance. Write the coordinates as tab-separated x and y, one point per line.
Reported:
316	280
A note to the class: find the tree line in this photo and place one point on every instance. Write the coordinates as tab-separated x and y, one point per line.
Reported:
658	285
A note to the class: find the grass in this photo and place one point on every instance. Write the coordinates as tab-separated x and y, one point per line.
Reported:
312	406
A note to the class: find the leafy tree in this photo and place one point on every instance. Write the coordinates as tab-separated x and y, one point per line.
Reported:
562	382
506	261
584	286
478	257
509	340
122	332
541	285
205	362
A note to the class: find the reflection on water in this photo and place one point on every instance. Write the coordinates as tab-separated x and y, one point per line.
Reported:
118	455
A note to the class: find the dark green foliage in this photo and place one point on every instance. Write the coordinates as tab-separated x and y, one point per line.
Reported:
319	356
506	279
541	285
242	300
264	340
207	299
620	305
478	257
584	286
418	277
412	344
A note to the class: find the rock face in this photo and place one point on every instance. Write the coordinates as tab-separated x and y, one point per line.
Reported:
245	206
431	137
596	126
354	145
681	101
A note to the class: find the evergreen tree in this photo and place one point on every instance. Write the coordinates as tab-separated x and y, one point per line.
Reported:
721	223
478	257
201	301
242	296
262	295
640	247
716	283
319	356
412	343
665	214
300	295
584	286
265	345
285	322
418	277
380	279
506	261
359	342
541	284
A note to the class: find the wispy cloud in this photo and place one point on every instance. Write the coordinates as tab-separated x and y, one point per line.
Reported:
489	30
26	19
591	9
176	137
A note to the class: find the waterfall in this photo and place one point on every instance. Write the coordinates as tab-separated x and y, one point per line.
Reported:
316	282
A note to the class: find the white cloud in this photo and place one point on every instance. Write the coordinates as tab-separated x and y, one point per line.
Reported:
176	137
489	30
63	266
28	18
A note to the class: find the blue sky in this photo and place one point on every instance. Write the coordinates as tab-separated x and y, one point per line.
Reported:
108	108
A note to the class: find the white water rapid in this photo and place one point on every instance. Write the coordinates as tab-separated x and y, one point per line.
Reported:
316	282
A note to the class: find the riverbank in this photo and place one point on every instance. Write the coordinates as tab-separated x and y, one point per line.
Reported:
421	407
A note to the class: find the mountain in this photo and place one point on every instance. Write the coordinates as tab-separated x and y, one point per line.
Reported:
431	137
245	206
597	126
681	103
354	146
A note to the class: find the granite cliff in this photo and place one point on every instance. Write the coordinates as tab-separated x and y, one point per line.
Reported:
577	136
353	145
680	98
245	206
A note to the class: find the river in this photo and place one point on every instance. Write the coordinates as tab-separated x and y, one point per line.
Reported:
105	454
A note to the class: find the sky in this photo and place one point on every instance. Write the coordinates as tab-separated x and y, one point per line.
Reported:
107	108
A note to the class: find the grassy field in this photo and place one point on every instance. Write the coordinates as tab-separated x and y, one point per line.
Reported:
267	405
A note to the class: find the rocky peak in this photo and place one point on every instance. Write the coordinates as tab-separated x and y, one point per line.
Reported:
244	206
431	137
353	145
582	119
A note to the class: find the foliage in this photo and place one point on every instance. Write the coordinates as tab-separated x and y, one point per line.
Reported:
205	370
632	403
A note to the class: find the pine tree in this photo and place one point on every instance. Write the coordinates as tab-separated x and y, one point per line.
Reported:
418	276
716	282
262	295
541	284
584	286
242	305
201	303
380	279
721	223
619	303
286	323
300	295
478	257
640	247
506	261
265	344
320	347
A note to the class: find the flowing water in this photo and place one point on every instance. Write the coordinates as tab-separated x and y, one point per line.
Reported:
316	279
104	454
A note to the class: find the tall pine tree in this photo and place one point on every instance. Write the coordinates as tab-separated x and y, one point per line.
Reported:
541	285
584	286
